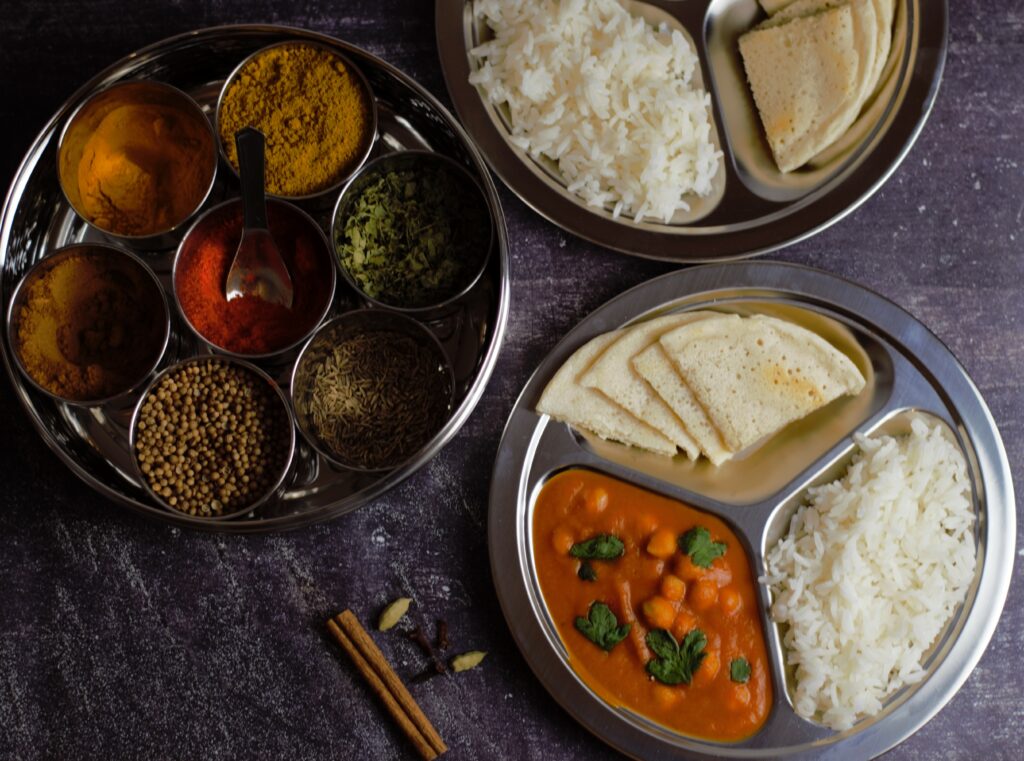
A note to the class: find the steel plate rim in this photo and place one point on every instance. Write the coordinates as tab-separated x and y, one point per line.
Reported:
506	166
352	502
512	575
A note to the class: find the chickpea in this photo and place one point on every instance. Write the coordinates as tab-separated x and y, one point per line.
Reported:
707	670
687	571
729	600
646	524
672	588
662	543
595	500
685	623
703	595
666	696
562	540
659	612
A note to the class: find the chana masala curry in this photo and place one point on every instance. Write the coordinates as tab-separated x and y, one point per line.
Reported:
655	602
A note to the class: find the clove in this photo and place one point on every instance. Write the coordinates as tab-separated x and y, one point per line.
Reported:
417	636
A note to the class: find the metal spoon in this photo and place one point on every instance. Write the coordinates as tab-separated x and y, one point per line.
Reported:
258	269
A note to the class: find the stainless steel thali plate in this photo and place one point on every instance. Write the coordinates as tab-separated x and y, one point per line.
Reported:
93	442
754	208
909	372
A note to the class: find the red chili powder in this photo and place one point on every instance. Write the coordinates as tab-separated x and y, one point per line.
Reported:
250	325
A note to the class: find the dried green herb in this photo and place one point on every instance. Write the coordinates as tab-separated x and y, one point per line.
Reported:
414	237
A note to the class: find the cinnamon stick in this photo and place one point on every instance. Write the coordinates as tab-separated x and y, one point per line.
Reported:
371	654
381	691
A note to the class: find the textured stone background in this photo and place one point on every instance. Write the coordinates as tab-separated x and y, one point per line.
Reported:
125	639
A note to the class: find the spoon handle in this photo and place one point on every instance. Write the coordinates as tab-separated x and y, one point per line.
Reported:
250	145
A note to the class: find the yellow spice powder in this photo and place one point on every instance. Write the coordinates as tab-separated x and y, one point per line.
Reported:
313	111
143	170
90	326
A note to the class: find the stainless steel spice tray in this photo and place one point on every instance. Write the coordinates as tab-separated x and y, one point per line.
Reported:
909	372
36	219
753	208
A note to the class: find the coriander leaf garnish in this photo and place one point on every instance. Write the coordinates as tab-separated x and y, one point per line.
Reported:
739	670
698	545
586	571
600	547
675	663
601	627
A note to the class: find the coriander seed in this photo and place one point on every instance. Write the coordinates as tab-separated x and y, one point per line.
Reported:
212	437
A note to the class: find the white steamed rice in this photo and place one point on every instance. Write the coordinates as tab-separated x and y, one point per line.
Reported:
871	571
606	96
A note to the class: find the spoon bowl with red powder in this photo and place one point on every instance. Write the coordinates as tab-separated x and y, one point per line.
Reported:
250	327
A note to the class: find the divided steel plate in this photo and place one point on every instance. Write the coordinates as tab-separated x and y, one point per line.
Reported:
753	207
909	372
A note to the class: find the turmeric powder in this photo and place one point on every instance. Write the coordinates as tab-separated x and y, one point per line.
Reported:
143	169
313	111
90	326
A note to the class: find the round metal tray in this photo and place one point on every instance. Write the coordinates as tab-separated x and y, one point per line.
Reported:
36	219
909	371
754	208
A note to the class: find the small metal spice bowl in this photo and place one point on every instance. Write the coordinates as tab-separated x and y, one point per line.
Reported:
151	295
89	117
368	140
277	480
414	160
227	211
336	333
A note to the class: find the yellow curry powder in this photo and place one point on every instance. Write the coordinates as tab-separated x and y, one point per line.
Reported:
314	113
144	169
90	326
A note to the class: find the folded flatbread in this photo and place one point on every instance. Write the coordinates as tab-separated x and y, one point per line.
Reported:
657	369
614	376
566	399
756	375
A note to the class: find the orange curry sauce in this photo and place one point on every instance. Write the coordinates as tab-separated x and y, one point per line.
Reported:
653	585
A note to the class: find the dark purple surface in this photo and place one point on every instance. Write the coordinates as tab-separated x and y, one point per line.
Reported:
125	639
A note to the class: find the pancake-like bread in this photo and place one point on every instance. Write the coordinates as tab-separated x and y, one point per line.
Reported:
567	400
774	6
614	376
884	10
803	75
656	368
754	376
871	35
870	111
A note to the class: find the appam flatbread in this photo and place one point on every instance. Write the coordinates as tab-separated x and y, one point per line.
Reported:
884	11
754	376
865	40
657	369
774	6
614	376
871	34
803	75
565	399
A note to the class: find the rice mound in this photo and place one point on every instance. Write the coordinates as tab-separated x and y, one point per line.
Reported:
871	570
605	95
